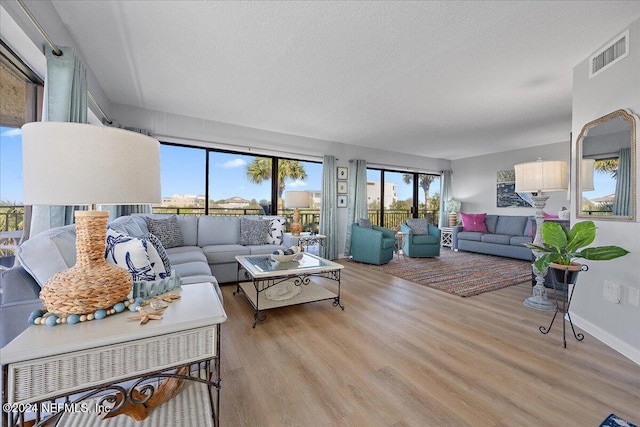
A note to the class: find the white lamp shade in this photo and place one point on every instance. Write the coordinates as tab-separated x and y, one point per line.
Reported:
541	175
81	164
586	174
296	199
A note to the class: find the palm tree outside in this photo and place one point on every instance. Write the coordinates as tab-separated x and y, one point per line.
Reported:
607	166
424	182
259	170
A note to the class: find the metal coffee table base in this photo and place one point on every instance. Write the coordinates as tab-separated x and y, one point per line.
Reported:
255	289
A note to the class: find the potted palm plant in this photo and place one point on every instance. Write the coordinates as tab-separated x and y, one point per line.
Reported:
560	249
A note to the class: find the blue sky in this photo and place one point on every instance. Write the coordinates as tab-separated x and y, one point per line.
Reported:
183	169
227	176
10	165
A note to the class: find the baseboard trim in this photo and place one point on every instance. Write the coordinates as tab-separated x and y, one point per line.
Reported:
615	343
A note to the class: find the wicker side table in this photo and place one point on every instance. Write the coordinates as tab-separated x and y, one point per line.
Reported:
78	366
446	239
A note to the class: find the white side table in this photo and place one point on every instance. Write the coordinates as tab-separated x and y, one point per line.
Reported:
304	240
87	362
446	239
400	240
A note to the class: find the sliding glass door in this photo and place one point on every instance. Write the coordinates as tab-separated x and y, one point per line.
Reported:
394	196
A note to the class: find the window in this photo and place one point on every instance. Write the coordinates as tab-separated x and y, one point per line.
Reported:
201	181
393	196
298	175
20	102
182	176
429	197
238	183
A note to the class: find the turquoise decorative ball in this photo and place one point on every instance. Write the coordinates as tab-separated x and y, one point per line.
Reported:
119	307
72	319
51	320
100	314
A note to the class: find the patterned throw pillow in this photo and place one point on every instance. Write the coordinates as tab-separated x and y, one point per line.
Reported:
162	253
276	229
254	231
130	253
418	225
167	230
365	223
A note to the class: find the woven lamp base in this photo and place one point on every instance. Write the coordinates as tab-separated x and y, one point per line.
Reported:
92	284
453	219
296	227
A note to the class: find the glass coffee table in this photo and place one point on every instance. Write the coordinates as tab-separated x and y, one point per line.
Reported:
272	284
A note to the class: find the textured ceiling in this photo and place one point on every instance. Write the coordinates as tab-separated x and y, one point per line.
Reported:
438	79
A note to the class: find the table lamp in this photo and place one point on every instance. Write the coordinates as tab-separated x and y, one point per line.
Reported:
539	177
81	164
453	207
296	200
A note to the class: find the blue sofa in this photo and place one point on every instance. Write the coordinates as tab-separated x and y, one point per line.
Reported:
210	245
504	237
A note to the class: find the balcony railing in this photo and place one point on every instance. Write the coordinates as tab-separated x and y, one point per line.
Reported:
309	218
11	217
11	223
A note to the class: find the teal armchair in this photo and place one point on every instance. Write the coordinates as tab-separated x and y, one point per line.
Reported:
372	245
422	239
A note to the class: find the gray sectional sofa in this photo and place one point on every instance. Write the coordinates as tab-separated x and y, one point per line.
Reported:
504	237
207	254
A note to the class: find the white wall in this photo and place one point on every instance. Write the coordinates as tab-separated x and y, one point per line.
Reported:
616	324
474	179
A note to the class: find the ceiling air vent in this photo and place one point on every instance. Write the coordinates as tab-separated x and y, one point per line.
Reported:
611	53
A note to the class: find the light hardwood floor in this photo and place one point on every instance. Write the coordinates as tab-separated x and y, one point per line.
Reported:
403	354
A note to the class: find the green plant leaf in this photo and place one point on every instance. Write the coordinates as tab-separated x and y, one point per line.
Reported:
543	262
581	234
553	234
602	253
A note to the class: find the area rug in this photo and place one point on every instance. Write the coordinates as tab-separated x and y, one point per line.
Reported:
460	273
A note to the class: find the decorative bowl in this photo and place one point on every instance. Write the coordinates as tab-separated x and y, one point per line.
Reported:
297	252
285	258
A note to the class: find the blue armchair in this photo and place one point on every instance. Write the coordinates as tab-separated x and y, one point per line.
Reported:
422	240
373	245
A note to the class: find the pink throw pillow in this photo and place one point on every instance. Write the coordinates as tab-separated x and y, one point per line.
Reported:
473	222
546	215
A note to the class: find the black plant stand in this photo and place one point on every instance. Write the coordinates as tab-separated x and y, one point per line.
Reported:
563	307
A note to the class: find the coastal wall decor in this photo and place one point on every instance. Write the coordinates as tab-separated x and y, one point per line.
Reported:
506	196
343	172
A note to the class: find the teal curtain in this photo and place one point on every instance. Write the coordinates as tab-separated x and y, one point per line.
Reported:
328	224
357	197
622	201
65	100
446	194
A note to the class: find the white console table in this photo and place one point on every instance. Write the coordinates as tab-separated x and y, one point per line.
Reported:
71	373
304	240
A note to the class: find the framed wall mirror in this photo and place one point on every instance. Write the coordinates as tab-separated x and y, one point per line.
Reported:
606	167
